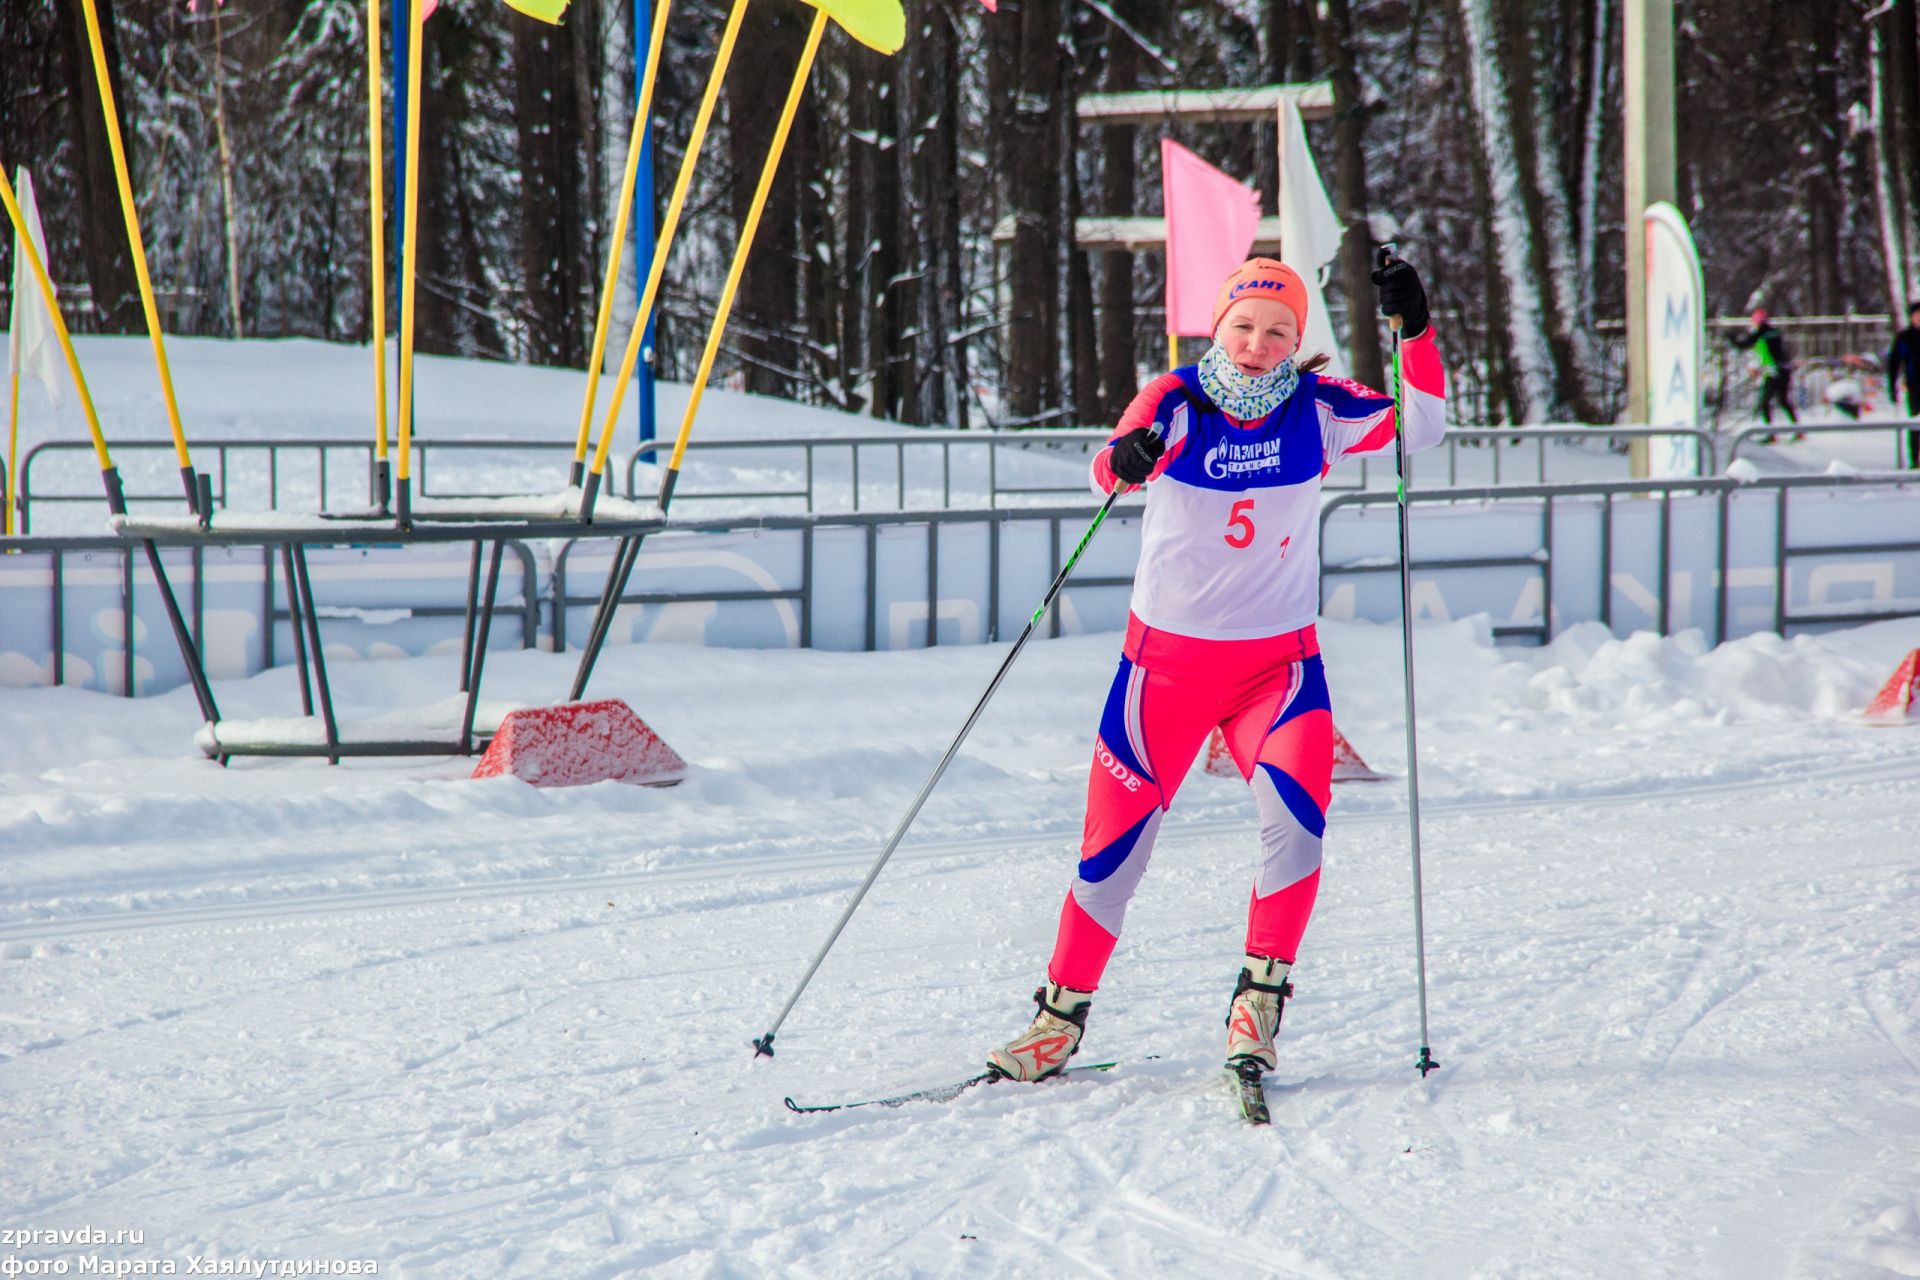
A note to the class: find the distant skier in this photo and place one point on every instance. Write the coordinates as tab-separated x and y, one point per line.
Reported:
1221	632
1903	361
1769	347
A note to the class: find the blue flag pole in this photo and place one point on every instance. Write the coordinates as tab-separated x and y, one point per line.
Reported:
643	228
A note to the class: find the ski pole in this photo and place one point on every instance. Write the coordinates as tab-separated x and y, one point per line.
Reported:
764	1045
1426	1062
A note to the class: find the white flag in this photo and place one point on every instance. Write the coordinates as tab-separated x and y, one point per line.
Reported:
1310	234
30	330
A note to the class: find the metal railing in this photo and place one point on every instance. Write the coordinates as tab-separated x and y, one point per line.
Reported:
1495	438
1038	443
1541	558
1897	430
1062	524
271	476
995	519
60	549
328	475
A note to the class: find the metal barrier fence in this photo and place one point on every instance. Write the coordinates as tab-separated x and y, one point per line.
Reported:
317	494
946	470
1615	438
995	519
1897	429
547	589
1722	489
93	550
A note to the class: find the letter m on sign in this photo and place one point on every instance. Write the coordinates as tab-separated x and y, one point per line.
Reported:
1678	317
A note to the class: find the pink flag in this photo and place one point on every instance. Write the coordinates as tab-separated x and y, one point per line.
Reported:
1211	221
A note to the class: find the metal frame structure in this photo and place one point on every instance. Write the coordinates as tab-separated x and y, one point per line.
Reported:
996	519
228	452
1898	427
559	597
303	612
1720	488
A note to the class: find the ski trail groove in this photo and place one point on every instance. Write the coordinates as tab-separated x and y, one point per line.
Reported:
861	854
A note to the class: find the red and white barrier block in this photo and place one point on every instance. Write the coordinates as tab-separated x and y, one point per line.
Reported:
580	743
1894	704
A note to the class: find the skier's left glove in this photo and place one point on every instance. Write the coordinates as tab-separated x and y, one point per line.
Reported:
1401	294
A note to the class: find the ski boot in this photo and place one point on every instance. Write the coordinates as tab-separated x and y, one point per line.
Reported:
1050	1039
1259	997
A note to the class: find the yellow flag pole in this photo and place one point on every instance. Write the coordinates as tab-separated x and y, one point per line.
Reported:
13	451
409	256
131	216
377	203
26	245
643	112
668	227
795	93
1173	351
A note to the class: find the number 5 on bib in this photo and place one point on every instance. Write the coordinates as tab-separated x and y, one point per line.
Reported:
1240	519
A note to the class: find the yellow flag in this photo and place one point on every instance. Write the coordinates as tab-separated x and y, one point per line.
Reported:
877	24
545	10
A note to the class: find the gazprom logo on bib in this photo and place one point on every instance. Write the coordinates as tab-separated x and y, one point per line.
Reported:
1227	458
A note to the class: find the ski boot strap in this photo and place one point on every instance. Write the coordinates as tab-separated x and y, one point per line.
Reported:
1075	1010
1267	967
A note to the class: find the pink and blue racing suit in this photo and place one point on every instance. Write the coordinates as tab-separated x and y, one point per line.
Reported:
1222	634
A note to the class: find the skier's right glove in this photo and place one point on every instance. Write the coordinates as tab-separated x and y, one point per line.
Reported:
1135	455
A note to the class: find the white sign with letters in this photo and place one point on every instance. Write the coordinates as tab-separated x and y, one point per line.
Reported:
1675	334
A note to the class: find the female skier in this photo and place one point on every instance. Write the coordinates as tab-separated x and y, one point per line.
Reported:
1221	632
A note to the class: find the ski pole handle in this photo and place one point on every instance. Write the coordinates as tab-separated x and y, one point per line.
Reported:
1387	254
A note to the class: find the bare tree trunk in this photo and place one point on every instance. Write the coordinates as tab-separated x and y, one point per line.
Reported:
1593	83
886	319
454	311
116	293
859	291
1118	371
948	230
1350	192
769	49
820	271
1895	65
935	155
1528	225
1825	195
228	215
1083	357
590	46
909	233
551	218
1033	198
1287	52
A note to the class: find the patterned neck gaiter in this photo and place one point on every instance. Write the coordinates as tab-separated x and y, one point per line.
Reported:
1246	398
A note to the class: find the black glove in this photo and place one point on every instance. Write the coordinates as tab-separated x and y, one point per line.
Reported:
1135	454
1401	294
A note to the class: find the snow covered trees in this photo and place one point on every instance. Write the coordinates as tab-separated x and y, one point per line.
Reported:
1483	135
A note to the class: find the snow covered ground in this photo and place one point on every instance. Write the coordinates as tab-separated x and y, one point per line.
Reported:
470	1029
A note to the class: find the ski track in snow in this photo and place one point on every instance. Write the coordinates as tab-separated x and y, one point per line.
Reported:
647	1146
479	1030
